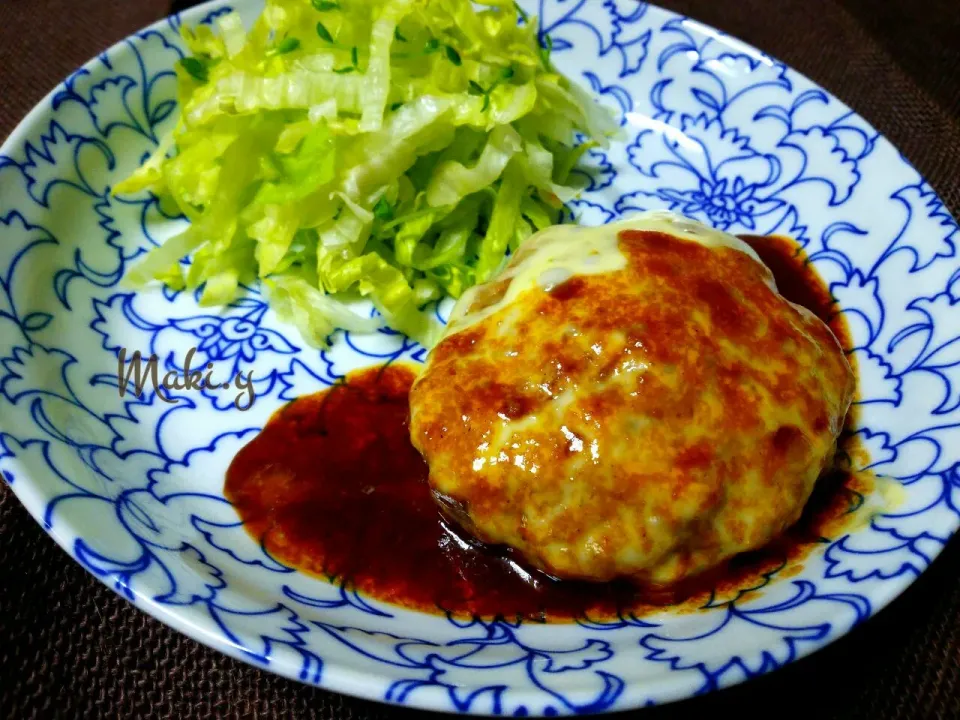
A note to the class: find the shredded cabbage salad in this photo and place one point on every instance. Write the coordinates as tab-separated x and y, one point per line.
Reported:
394	150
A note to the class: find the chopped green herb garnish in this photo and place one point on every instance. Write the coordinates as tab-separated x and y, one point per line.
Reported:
476	88
486	102
432	46
195	68
325	5
344	70
507	73
547	49
453	56
324	33
396	106
397	35
355	56
383	210
524	15
288	45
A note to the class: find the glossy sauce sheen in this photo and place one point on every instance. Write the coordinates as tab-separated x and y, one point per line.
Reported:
333	487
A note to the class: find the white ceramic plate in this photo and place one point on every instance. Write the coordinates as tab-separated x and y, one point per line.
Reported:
131	488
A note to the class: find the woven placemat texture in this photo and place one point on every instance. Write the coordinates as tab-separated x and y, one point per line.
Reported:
71	648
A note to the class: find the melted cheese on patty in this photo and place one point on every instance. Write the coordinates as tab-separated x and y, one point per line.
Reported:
630	400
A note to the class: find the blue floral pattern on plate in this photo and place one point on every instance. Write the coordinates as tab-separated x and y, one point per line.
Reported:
131	486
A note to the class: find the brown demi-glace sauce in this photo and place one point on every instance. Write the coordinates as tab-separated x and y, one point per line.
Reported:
332	486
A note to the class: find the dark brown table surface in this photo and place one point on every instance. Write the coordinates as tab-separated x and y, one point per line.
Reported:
71	648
